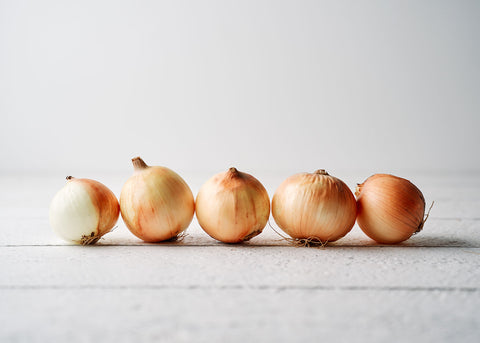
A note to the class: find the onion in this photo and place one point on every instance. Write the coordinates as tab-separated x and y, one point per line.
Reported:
83	211
156	203
314	207
232	206
390	209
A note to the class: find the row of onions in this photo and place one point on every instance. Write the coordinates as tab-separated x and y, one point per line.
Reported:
156	204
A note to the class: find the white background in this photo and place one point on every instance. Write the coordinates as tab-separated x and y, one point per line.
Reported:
378	86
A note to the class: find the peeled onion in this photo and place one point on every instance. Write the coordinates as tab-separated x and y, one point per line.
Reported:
315	207
156	203
232	206
390	208
83	211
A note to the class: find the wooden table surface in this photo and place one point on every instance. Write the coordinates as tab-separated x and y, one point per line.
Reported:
426	289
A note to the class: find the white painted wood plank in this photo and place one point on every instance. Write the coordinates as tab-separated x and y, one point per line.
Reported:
240	266
238	315
264	290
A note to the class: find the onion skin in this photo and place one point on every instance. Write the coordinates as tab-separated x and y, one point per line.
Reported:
314	207
232	206
156	203
83	211
390	209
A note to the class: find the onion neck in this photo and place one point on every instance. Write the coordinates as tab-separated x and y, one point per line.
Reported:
69	178
358	189
138	164
320	172
233	173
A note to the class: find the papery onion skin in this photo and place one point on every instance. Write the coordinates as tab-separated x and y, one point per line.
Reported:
232	206
390	209
83	211
156	203
314	207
